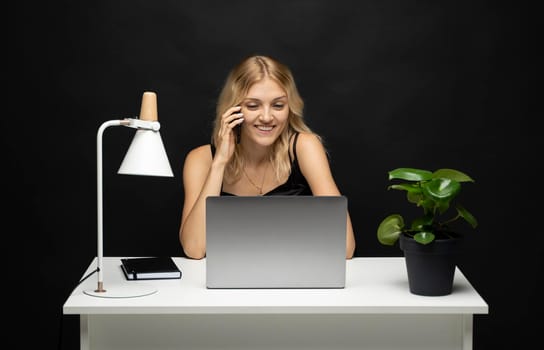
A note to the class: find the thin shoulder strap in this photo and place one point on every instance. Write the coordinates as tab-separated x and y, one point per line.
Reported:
294	148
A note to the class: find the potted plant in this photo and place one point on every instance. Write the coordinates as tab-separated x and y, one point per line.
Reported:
429	243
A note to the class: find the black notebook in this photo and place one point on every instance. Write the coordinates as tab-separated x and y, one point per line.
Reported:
150	268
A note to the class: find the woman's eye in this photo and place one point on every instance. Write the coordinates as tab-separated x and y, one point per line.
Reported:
252	107
279	106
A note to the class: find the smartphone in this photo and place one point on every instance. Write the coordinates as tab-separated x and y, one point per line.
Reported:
238	132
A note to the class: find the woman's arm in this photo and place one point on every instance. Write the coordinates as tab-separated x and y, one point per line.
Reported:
315	167
201	178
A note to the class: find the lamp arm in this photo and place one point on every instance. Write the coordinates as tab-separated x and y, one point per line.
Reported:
129	122
99	198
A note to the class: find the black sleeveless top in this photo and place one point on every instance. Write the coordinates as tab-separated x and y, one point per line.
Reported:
296	184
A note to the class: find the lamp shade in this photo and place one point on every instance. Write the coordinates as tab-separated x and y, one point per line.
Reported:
146	156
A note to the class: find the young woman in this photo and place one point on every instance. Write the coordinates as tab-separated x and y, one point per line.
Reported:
260	146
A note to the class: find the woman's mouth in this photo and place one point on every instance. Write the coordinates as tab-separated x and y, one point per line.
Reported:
264	128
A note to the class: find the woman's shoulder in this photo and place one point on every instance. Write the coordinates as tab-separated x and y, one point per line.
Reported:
200	153
310	149
308	140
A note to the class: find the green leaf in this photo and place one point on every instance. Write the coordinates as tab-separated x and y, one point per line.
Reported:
428	206
442	206
415	197
406	187
420	224
452	174
410	174
390	229
424	237
441	189
465	214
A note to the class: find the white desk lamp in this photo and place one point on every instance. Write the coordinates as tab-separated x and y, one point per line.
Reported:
145	156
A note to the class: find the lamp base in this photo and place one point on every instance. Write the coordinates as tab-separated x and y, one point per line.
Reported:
123	291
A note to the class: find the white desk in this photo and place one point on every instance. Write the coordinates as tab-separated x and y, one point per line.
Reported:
374	311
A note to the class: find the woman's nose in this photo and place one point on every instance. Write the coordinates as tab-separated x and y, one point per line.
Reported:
266	116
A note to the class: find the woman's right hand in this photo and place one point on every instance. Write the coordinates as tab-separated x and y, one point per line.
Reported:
227	139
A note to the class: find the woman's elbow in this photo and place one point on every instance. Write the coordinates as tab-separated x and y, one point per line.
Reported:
350	251
193	251
192	247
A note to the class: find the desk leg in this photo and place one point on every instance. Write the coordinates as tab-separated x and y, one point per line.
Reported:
467	331
84	337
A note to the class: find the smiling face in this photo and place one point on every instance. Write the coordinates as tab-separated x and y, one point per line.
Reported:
266	112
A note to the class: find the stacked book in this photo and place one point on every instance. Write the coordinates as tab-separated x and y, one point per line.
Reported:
150	268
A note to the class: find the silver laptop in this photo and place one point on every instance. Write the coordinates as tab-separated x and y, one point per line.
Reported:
276	241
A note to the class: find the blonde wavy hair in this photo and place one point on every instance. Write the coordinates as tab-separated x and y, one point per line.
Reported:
239	80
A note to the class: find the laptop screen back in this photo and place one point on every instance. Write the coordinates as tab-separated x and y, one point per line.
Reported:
276	241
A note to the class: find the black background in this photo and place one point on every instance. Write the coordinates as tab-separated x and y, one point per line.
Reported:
388	84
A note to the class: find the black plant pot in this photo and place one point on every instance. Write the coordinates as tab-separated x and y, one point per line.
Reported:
430	267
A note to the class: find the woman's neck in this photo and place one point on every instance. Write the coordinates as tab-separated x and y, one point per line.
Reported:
256	156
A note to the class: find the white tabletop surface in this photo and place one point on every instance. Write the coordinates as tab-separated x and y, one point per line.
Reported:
373	285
